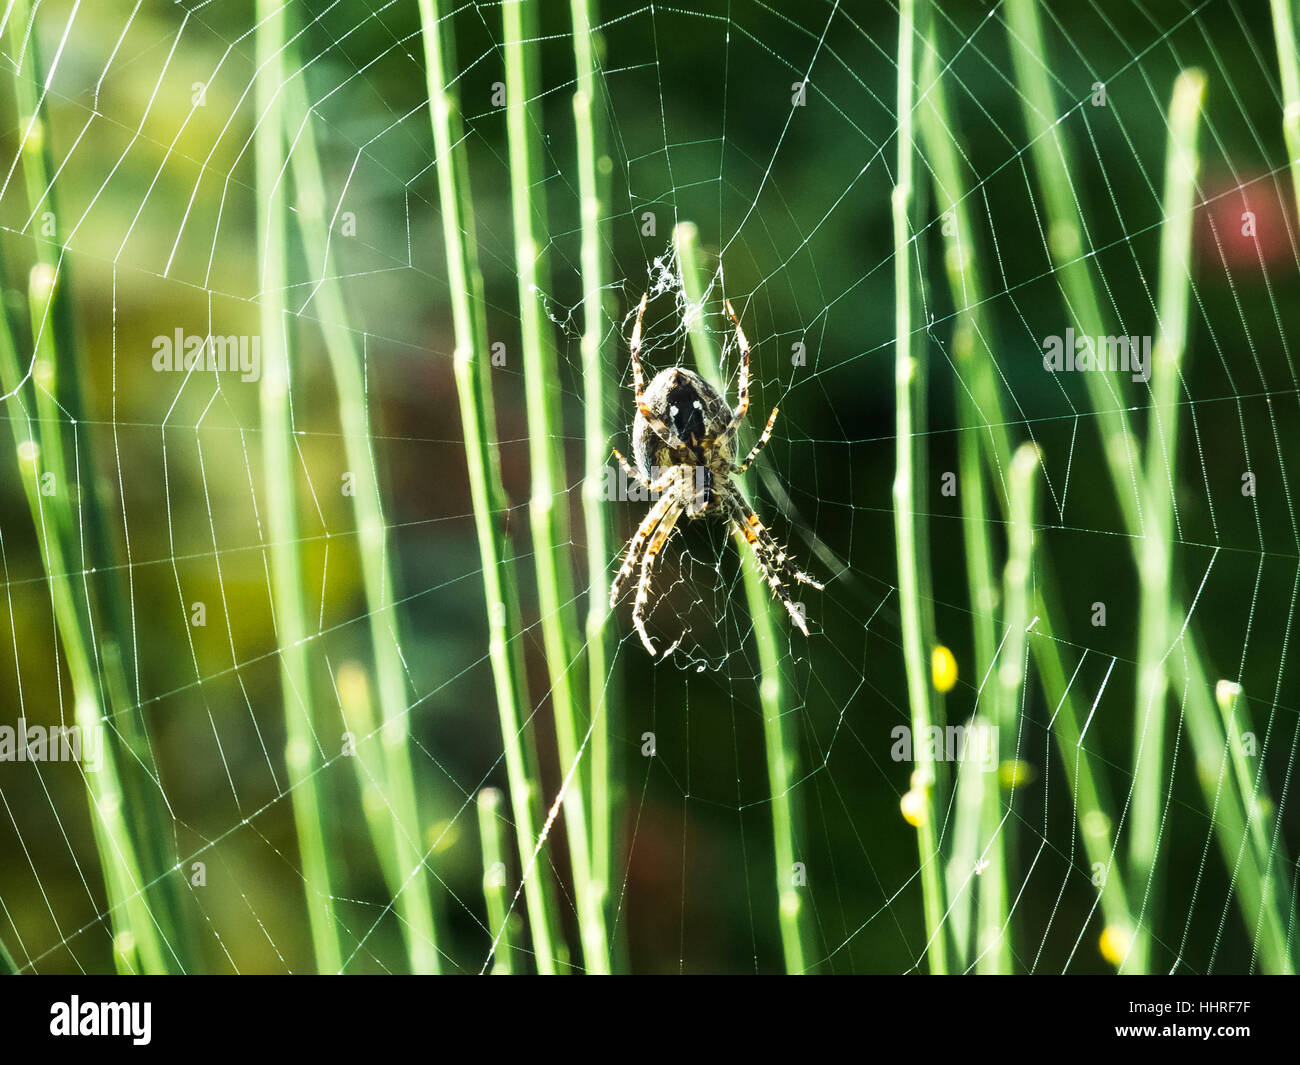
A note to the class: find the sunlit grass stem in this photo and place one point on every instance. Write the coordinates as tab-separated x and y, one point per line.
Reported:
779	743
985	416
1288	62
491	830
374	548
473	375
1157	628
604	691
75	524
303	755
139	943
907	506
1267	846
549	502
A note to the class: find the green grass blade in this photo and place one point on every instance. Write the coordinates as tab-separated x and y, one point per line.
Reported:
548	506
302	752
491	835
1288	62
474	392
779	743
604	694
396	778
984	413
1266	842
110	627
140	944
1157	627
908	416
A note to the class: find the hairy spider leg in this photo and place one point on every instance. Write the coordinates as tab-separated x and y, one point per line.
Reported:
762	441
638	383
637	475
742	400
656	513
771	558
662	535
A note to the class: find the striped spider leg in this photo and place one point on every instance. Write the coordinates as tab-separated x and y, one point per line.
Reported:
771	557
650	537
647	526
638	385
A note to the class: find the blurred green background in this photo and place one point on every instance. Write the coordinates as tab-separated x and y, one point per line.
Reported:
156	203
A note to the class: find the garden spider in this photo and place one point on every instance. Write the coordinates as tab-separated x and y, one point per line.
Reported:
684	442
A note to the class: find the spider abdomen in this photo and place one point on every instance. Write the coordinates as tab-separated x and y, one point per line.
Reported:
693	409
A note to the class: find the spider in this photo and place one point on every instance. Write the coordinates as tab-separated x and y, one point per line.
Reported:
684	442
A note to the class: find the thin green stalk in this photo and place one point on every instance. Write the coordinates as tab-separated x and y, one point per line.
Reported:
414	902
965	857
907	504
588	119
779	743
1052	161
302	752
478	423
491	834
981	402
1157	628
975	383
548	505
140	945
1288	63
1269	850
1016	597
108	626
1262	902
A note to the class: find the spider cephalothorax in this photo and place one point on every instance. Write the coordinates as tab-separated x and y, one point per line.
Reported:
684	441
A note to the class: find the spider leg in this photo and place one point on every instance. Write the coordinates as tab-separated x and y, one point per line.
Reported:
762	442
642	534
742	401
662	535
635	474
638	382
771	558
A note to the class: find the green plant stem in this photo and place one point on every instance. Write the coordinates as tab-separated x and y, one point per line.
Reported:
395	777
906	505
779	744
494	878
1262	903
548	505
980	389
1267	846
1051	157
976	392
302	752
478	424
603	697
107	620
139	943
1288	63
1157	629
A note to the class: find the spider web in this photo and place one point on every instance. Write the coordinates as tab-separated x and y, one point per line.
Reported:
772	129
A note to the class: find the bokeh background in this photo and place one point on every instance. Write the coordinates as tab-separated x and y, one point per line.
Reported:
156	200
